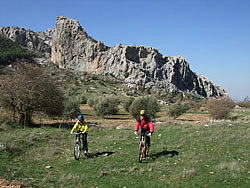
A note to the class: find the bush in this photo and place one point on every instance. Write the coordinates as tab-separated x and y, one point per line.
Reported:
128	103
176	109
149	104
71	108
243	104
27	90
106	106
193	105
91	102
82	99
220	108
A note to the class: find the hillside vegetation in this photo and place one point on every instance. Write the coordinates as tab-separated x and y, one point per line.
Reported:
11	51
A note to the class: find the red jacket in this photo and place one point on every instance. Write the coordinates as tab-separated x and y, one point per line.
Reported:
144	124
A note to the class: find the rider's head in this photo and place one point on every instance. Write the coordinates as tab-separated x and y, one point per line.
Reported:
142	113
80	118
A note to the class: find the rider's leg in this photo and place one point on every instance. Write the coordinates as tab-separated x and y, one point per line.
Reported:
85	143
148	143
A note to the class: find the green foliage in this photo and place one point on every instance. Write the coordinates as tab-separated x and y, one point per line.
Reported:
106	106
126	74
176	109
91	102
82	99
128	103
148	103
11	51
220	108
71	107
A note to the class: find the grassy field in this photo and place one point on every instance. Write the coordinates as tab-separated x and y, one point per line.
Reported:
183	154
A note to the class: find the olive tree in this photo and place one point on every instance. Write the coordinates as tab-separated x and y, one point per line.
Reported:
27	90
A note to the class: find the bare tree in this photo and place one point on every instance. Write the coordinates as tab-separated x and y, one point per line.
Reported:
220	108
27	90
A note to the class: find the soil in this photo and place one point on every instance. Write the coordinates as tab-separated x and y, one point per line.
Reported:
7	184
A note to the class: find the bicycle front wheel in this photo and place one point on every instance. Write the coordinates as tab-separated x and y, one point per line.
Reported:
141	148
77	150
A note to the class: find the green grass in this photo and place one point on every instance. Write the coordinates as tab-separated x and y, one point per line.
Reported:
216	155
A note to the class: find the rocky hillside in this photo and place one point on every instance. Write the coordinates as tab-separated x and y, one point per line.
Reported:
69	46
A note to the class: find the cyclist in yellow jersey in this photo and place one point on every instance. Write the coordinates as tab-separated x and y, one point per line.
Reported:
82	126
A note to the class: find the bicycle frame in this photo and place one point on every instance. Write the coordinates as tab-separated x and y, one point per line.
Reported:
142	147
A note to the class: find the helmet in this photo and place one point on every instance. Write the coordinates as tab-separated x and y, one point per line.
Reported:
80	117
142	112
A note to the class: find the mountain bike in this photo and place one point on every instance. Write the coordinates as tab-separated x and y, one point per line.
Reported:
143	147
77	145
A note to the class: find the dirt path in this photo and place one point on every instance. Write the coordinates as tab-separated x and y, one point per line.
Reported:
6	184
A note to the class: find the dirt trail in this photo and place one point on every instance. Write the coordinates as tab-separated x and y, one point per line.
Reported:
7	184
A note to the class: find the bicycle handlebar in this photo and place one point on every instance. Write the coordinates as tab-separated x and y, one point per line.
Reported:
78	133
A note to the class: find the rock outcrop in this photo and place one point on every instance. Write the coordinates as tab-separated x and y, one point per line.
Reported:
72	47
137	65
36	41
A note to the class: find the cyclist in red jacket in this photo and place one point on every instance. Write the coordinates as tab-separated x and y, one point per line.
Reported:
146	125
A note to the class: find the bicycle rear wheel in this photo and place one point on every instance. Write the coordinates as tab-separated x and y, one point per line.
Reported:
77	149
141	148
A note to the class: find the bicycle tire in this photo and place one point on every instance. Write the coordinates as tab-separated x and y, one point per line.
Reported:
140	152
77	150
146	149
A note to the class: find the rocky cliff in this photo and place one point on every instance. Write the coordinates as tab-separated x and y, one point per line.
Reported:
71	47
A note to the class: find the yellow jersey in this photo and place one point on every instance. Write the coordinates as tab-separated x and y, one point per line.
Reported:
83	127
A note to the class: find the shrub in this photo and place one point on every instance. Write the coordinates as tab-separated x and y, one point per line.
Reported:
91	102
149	104
128	103
243	104
106	106
27	90
176	109
82	99
193	105
71	107
126	74
220	108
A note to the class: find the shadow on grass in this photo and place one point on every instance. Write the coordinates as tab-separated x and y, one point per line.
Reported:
163	153
98	154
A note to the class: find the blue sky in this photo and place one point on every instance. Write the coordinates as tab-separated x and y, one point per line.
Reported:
212	35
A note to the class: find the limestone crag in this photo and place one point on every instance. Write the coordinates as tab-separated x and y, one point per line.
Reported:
73	48
70	46
37	41
137	65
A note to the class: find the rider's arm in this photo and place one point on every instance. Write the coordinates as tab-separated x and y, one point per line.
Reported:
151	127
85	127
75	127
136	126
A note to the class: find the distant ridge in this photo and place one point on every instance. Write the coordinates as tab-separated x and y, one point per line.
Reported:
69	46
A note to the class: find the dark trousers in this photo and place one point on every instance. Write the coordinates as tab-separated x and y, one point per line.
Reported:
84	141
145	132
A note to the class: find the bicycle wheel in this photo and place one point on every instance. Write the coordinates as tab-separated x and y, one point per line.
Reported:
146	149
141	147
77	150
